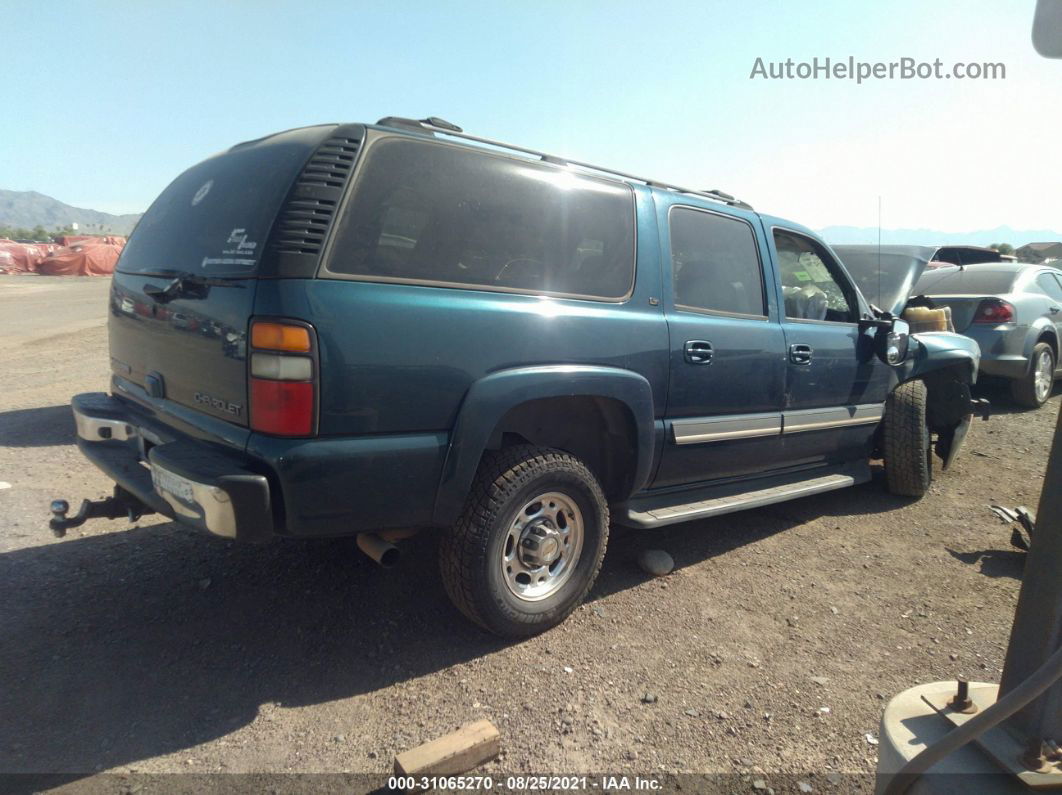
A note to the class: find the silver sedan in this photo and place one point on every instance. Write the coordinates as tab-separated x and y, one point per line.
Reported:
1014	311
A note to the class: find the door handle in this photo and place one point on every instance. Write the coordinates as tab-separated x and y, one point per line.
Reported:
800	354
1055	310
698	352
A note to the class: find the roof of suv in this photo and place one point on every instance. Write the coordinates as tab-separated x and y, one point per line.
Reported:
433	126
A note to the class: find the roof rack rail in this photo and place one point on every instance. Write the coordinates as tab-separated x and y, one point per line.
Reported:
436	125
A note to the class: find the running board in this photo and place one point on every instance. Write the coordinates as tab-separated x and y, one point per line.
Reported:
672	514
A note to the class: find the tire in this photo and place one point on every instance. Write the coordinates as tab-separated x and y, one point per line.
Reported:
487	566
907	444
1035	388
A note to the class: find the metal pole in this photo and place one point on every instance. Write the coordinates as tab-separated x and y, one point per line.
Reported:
1037	630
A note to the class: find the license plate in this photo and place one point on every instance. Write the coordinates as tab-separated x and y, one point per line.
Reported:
174	484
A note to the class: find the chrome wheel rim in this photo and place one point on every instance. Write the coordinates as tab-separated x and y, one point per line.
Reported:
1045	376
542	546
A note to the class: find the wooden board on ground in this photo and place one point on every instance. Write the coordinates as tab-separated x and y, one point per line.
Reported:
452	754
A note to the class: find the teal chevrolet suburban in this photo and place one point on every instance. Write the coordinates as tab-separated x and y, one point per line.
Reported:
380	329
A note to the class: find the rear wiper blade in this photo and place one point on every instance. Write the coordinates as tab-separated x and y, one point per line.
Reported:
184	284
194	278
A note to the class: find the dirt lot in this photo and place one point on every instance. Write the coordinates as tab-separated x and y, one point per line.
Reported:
151	648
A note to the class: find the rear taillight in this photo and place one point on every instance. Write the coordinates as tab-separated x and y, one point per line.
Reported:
994	311
283	378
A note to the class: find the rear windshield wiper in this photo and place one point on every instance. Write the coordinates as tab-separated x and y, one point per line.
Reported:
184	284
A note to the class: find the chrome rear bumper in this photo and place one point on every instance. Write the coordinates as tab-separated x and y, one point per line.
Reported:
185	479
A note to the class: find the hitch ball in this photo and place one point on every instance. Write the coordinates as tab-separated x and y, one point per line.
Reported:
58	523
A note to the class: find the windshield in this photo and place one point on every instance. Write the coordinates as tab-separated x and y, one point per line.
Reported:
965	281
215	217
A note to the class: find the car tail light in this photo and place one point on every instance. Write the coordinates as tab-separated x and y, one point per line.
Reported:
280	337
994	311
283	378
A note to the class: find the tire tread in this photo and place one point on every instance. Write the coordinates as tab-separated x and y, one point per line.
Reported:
908	469
501	474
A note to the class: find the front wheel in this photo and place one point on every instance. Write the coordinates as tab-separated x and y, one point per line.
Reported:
530	542
907	443
1035	388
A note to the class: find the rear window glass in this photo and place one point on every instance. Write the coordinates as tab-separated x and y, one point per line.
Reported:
969	280
715	263
438	214
215	217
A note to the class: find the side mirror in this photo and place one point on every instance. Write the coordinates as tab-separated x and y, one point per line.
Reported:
1047	28
893	342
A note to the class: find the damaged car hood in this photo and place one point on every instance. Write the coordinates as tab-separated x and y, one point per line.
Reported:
886	275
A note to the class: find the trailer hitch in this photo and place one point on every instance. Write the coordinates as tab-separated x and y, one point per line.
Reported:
981	407
121	504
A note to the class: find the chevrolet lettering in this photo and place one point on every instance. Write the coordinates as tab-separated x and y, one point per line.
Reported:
219	404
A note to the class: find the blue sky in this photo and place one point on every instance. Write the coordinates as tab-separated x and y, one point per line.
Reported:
108	101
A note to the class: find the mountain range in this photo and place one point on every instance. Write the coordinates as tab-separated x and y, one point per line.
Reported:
27	209
841	235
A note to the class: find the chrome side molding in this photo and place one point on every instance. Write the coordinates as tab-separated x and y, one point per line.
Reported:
717	429
698	430
839	417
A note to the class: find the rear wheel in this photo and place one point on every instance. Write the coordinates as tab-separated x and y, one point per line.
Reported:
530	543
1035	388
907	443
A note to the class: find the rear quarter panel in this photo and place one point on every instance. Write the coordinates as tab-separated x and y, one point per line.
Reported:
399	361
397	358
1034	312
1007	348
400	358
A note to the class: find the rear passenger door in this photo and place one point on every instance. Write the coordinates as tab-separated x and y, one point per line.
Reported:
727	367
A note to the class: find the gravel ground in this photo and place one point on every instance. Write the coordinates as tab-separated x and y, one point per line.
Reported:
768	653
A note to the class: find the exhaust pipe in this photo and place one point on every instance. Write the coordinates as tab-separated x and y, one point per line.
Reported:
383	552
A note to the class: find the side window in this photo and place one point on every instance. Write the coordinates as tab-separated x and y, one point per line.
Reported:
948	255
715	264
811	285
1049	283
445	215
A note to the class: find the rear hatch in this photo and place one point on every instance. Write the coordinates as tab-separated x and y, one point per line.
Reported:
187	341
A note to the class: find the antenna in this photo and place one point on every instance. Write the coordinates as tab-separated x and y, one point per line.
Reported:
879	247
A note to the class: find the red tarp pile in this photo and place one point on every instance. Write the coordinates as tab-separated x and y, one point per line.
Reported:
84	256
92	257
21	257
70	240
